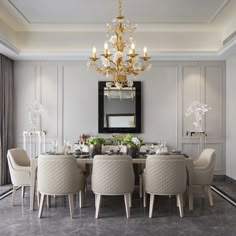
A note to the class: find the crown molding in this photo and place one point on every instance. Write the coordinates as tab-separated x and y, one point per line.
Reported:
13	52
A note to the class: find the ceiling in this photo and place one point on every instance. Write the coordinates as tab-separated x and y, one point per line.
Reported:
68	29
102	11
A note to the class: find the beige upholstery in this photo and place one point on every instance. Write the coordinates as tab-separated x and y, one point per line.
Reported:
19	166
203	171
60	175
165	175
113	175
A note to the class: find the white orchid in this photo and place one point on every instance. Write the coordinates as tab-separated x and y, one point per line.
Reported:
199	110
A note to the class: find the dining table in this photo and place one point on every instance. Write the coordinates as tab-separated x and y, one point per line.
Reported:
85	160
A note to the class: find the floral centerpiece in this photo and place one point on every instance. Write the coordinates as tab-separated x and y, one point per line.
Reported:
95	145
133	143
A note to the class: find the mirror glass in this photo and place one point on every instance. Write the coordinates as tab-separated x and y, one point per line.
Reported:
119	108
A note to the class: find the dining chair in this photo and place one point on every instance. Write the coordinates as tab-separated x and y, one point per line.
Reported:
203	171
59	175
19	166
165	175
112	175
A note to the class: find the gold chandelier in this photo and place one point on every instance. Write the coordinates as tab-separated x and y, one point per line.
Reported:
123	60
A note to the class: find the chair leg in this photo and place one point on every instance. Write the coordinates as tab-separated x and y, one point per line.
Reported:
144	197
190	198
13	195
210	195
41	205
130	200
140	185
180	204
71	204
48	201
152	198
126	198
38	197
97	204
81	198
22	192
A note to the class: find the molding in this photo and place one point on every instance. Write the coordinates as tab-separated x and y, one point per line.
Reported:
223	53
9	46
218	10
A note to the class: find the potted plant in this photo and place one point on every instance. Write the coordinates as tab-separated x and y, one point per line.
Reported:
95	145
133	143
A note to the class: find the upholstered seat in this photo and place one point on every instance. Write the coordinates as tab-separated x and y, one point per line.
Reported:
19	166
165	175
113	175
203	171
60	175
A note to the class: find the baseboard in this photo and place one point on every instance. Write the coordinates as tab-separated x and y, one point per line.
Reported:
224	178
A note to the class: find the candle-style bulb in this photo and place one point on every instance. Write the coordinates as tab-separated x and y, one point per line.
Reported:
105	48
133	46
94	49
145	52
94	52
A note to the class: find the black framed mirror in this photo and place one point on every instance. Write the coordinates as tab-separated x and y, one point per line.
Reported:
119	110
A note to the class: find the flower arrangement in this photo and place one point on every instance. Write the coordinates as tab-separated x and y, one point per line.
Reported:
198	110
128	139
95	140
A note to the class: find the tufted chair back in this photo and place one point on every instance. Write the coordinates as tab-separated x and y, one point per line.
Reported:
165	175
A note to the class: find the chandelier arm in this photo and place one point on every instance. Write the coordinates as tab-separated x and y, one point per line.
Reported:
123	63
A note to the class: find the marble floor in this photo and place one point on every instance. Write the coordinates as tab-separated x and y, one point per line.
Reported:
204	220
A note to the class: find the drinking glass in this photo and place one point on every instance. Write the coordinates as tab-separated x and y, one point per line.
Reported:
55	146
120	145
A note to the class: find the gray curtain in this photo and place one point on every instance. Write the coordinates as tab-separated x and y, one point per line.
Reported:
6	115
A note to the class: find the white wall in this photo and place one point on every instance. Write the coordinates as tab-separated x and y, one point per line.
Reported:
69	92
231	117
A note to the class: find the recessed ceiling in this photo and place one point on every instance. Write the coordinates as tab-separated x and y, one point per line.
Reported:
103	11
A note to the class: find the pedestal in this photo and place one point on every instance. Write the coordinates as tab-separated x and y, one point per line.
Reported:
34	142
202	138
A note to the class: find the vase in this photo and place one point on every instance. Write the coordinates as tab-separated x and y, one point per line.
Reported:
95	149
132	151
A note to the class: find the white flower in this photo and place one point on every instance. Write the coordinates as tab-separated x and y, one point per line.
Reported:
105	62
89	64
137	65
113	39
130	83
118	85
109	84
136	141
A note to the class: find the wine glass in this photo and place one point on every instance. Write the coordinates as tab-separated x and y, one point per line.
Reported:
120	145
81	146
55	146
